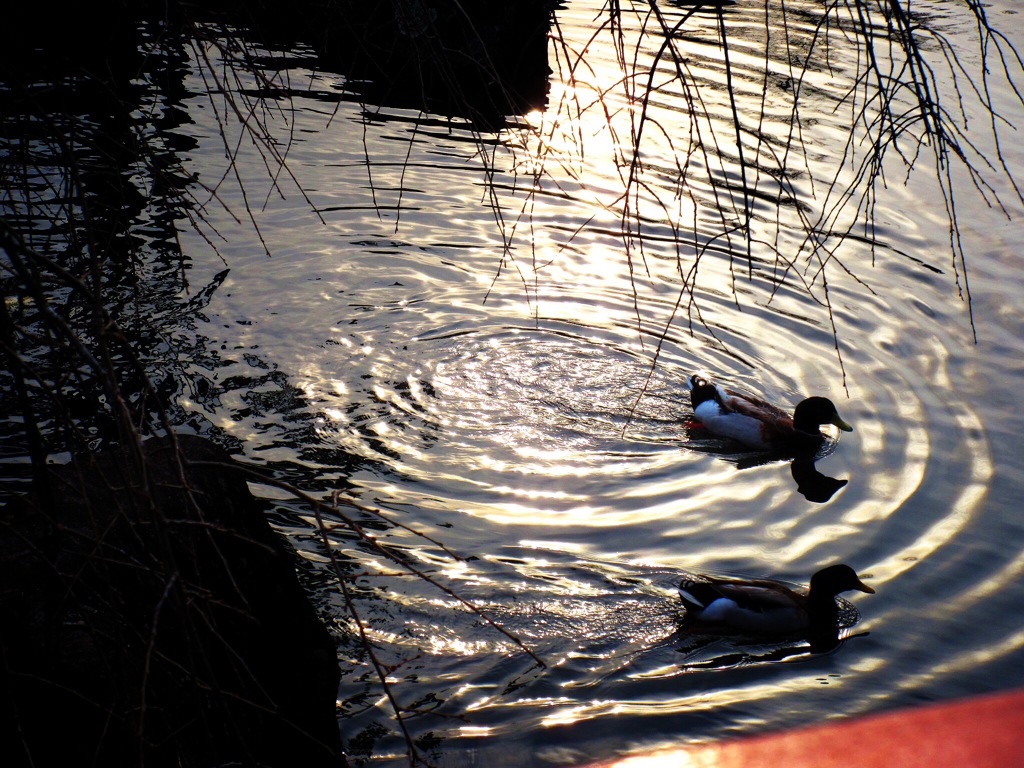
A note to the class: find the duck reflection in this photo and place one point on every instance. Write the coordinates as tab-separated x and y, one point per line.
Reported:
729	621
812	484
701	650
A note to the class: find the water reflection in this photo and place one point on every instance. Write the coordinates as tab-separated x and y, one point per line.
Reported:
508	430
811	483
701	651
511	429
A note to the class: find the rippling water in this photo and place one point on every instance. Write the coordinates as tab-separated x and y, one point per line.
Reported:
528	410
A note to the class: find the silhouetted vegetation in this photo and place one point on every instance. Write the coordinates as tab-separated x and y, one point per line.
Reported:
147	601
753	183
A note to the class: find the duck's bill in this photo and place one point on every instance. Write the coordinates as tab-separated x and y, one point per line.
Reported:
842	424
865	588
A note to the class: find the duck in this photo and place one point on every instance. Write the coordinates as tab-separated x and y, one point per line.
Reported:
765	606
756	423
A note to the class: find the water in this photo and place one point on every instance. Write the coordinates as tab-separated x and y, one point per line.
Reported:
526	408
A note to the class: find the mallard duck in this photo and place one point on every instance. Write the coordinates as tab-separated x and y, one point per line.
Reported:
769	607
758	424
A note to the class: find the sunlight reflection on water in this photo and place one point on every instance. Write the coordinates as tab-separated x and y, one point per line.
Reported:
514	429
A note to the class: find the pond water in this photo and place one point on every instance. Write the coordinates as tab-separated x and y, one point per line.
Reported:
526	405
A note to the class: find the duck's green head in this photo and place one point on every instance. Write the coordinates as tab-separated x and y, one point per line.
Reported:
837	578
815	411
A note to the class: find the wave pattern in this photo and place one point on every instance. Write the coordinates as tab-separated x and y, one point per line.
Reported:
527	406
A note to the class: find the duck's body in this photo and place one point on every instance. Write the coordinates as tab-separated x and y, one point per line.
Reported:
768	607
758	424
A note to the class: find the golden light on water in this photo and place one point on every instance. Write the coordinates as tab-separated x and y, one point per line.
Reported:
474	731
511	417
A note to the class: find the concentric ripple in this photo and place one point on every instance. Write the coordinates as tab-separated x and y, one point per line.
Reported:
525	404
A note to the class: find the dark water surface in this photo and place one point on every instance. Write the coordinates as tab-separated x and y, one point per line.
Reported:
362	356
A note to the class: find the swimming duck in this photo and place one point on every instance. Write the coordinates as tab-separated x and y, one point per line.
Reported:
769	607
758	424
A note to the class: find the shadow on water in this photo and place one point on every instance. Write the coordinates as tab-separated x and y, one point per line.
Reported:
476	60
